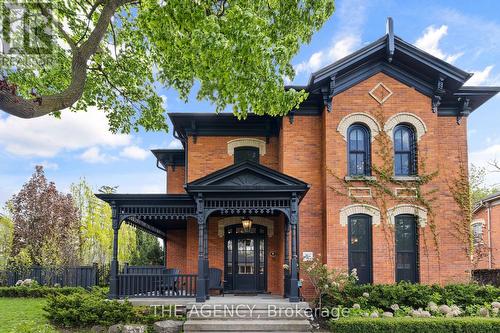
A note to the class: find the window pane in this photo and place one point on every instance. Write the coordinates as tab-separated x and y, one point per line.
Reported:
405	139
360	252
359	237
398	140
242	154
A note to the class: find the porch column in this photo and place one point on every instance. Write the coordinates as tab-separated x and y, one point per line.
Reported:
286	256
294	220
165	251
205	260
201	287
113	281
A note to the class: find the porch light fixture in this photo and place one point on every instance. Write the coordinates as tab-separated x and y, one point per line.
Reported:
247	224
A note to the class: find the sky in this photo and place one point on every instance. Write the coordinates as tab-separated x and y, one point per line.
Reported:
465	33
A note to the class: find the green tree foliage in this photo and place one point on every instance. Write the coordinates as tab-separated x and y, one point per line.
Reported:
110	54
95	228
148	250
45	223
478	188
6	232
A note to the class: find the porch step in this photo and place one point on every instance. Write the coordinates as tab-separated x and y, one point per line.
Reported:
251	325
284	314
247	315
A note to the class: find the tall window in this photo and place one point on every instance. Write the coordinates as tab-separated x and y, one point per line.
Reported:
242	154
406	248
359	151
360	246
405	151
477	232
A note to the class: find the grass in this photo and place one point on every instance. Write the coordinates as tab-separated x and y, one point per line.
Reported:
18	310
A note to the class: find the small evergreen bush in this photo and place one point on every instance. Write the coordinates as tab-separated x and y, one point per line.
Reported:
87	309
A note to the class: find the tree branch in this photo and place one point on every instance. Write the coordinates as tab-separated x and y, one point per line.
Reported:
32	108
59	27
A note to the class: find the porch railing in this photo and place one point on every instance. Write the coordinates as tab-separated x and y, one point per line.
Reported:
156	285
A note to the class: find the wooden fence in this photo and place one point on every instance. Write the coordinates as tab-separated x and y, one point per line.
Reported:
78	276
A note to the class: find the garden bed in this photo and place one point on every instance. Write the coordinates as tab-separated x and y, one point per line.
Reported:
416	325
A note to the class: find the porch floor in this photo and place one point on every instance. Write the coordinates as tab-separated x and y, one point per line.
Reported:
226	299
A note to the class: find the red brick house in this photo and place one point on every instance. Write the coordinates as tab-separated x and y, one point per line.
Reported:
486	231
358	175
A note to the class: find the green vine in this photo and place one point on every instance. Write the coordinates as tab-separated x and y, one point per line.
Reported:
382	186
462	231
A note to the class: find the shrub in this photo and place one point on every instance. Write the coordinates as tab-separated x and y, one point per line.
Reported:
412	295
415	325
39	291
87	309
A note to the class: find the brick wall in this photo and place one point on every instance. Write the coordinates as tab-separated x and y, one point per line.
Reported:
312	150
443	147
491	231
301	157
209	154
175	179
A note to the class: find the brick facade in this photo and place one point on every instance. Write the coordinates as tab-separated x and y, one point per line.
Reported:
488	215
313	150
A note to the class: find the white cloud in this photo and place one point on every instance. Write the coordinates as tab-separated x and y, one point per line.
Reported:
339	49
480	77
165	101
47	136
47	165
94	155
174	144
344	42
429	42
134	152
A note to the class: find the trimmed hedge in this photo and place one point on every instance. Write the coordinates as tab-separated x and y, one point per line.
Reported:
415	325
413	295
87	309
39	292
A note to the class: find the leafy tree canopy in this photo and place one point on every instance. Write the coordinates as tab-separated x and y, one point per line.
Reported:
111	53
477	182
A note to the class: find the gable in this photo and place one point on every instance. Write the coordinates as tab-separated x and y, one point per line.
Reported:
247	176
393	56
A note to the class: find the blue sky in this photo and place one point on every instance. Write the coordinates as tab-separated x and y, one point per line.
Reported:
467	33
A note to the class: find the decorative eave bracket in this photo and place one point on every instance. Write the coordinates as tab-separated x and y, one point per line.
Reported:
464	110
327	92
438	94
390	39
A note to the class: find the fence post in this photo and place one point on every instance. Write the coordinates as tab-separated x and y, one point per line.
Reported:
95	271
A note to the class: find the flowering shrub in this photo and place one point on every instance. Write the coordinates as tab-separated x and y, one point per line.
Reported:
327	282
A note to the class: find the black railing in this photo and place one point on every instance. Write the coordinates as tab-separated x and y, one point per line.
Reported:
156	285
78	276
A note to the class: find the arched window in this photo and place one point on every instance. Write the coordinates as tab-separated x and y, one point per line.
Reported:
360	246
405	161
406	248
242	154
359	150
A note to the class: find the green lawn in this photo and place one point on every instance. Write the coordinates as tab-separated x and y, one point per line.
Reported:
17	310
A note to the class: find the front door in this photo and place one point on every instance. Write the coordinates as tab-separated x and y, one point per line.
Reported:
245	259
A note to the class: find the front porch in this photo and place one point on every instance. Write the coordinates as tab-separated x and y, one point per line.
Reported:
215	205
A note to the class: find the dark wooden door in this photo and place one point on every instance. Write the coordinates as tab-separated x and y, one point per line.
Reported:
406	248
245	259
360	247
